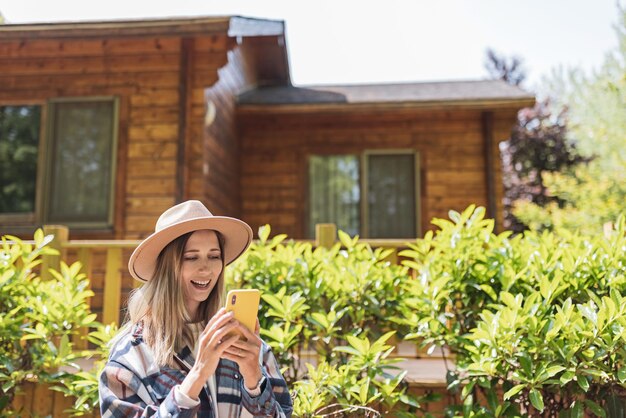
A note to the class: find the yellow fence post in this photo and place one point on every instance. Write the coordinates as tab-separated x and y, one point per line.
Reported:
112	286
325	235
61	235
393	256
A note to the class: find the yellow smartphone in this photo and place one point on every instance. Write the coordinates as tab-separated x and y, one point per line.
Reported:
245	304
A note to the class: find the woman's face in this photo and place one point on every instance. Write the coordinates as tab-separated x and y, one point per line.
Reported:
202	265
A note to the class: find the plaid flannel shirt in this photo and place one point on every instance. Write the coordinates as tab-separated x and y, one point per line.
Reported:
133	385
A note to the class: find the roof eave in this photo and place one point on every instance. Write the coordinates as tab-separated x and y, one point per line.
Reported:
480	104
233	25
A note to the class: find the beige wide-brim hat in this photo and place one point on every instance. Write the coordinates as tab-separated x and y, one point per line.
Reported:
178	220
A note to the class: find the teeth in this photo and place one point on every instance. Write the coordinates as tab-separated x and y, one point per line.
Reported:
201	283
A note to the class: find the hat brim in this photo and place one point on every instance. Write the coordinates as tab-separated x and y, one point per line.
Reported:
237	237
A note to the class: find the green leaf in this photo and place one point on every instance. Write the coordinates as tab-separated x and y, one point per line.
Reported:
566	377
577	410
583	382
349	350
362	345
4	400
467	389
536	399
274	302
264	233
364	391
595	408
513	391
489	290
345	239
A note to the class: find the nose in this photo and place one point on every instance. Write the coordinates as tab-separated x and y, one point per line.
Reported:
204	264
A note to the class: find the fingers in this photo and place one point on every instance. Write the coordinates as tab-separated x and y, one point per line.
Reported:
221	339
241	348
237	352
257	328
248	334
221	345
220	317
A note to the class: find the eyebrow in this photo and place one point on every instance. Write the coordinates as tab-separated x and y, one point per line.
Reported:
193	250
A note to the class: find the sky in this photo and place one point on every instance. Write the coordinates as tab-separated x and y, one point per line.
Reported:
387	41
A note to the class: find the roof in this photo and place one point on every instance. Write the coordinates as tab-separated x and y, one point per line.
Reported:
234	25
480	92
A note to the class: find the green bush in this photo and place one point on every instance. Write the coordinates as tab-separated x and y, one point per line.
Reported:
338	305
537	322
39	319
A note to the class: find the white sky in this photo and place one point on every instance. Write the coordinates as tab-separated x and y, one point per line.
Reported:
351	41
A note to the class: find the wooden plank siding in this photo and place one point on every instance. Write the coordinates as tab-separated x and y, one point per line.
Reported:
214	171
275	149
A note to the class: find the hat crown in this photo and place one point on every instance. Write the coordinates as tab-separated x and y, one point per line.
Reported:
191	209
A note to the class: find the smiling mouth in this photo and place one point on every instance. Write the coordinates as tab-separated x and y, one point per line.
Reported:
201	285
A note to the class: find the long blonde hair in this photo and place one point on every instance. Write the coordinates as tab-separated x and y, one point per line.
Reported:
159	304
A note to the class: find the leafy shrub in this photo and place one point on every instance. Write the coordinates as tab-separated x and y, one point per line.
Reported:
361	386
338	305
536	322
39	319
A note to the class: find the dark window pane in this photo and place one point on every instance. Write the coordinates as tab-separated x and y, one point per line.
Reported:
81	172
19	149
334	192
391	195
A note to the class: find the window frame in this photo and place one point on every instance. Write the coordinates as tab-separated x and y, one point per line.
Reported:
362	156
48	164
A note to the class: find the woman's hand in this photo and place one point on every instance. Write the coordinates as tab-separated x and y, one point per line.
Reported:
246	354
212	343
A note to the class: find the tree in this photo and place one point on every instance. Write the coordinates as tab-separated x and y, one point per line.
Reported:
510	70
591	194
537	145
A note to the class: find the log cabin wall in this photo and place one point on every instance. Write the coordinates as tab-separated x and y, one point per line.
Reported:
219	182
156	80
450	143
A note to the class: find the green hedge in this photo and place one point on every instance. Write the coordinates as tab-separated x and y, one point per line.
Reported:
39	320
536	323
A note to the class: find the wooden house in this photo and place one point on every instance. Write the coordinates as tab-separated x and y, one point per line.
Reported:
105	124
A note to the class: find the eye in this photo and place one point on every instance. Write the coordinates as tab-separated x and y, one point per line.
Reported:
190	258
214	257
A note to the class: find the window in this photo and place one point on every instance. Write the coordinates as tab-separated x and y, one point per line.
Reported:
70	171
373	194
19	152
334	192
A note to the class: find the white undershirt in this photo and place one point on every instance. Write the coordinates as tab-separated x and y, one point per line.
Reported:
185	401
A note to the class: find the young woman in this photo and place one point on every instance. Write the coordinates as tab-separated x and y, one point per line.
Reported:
178	354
